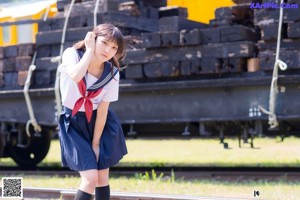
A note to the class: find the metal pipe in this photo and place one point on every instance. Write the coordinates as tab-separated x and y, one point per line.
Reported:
32	120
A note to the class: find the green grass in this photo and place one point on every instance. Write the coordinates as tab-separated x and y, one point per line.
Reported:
209	152
198	152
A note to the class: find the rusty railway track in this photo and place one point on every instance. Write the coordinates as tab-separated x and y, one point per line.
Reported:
30	193
228	174
67	194
219	173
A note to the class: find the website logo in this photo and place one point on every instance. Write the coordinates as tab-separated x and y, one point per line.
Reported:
273	5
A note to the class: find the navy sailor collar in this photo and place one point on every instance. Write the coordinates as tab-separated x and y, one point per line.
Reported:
107	74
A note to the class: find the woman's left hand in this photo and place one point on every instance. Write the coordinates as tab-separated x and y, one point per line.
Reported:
96	151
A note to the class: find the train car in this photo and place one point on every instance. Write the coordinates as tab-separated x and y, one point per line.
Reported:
181	76
18	26
12	12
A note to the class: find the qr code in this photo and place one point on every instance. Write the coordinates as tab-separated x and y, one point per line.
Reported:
12	187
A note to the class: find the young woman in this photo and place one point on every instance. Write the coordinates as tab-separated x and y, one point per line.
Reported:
91	136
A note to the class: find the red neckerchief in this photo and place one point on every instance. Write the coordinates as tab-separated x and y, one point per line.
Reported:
94	90
86	99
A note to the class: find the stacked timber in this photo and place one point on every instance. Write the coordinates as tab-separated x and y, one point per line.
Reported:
268	20
132	17
183	47
131	20
14	63
167	44
170	45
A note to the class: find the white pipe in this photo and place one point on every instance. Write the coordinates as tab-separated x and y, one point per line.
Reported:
32	120
95	11
58	59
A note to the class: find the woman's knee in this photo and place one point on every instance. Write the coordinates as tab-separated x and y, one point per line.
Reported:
89	178
103	177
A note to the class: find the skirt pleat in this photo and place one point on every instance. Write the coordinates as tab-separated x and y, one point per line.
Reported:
76	135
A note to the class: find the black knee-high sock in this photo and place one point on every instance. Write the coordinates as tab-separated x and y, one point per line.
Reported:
102	193
81	195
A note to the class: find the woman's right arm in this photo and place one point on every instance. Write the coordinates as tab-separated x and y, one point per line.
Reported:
77	71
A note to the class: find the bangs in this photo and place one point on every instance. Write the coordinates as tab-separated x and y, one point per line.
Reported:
112	34
116	38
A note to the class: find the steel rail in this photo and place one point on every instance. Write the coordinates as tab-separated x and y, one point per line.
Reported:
69	194
188	173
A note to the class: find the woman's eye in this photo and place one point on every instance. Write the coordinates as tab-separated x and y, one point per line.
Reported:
115	48
104	42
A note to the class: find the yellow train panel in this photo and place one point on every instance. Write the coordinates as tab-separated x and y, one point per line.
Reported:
14	34
201	10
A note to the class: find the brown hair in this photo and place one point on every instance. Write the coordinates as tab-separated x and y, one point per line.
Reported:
113	34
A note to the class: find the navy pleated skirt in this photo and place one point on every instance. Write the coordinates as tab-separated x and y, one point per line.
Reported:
76	135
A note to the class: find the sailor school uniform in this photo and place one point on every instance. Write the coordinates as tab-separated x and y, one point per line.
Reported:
77	120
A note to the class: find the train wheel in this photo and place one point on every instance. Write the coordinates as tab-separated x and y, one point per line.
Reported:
32	150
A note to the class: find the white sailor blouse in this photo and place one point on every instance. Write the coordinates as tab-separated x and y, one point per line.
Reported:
87	94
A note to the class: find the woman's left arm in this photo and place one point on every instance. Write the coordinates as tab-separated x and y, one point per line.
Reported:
102	111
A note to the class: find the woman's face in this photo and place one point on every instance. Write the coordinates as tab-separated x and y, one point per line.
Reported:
105	49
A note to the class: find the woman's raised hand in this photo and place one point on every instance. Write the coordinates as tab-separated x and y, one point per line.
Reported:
90	41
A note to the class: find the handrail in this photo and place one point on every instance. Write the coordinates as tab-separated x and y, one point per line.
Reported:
273	122
58	59
95	12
